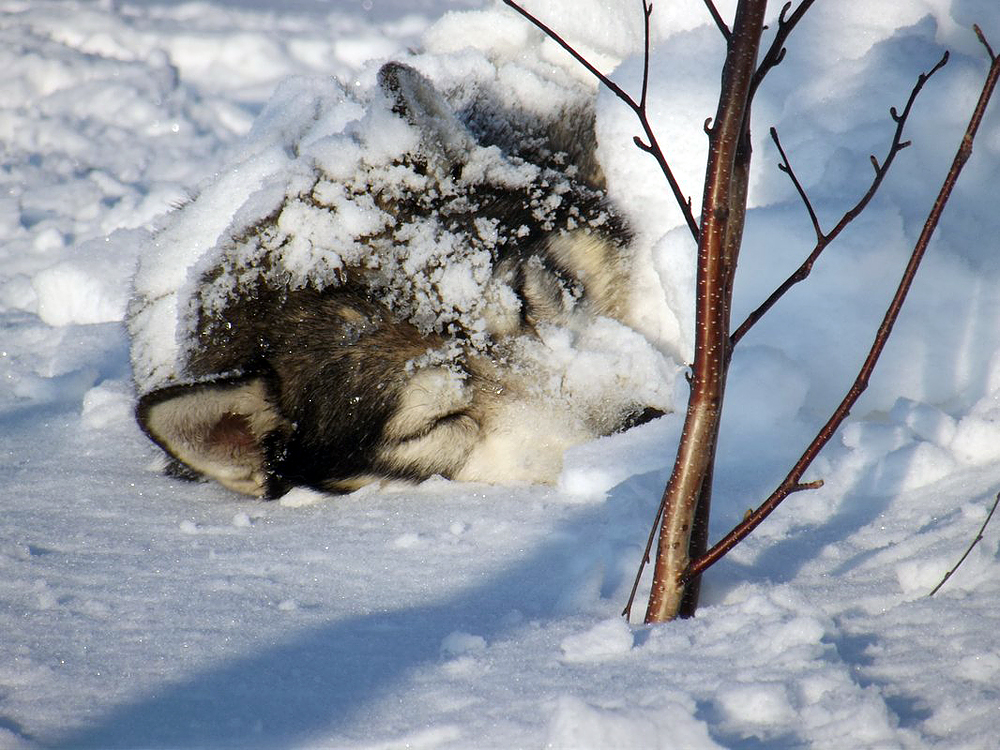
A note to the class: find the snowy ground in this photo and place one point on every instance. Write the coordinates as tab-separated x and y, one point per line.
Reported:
140	611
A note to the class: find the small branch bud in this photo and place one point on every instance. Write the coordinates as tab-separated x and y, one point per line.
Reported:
814	485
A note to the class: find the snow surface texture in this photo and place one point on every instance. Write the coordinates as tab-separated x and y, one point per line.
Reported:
140	611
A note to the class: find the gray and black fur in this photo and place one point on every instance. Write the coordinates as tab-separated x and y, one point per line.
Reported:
331	386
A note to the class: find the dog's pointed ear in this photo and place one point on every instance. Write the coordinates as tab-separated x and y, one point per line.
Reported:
444	137
222	430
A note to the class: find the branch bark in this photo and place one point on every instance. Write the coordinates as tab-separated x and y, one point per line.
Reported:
721	227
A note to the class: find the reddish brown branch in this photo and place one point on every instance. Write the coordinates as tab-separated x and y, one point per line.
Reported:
791	482
687	498
650	145
716	263
823	240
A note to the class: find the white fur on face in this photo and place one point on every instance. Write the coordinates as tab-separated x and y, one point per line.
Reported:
523	442
595	261
431	394
431	430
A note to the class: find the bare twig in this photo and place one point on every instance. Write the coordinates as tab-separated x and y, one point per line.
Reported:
650	145
824	239
647	11
791	482
979	534
977	540
717	17
786	167
776	52
982	39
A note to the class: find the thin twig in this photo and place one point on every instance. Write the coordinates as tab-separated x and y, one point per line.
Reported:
650	145
776	52
717	17
786	167
977	540
647	11
791	482
982	38
627	611
823	240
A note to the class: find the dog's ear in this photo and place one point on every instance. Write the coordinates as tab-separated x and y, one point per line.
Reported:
445	139
222	430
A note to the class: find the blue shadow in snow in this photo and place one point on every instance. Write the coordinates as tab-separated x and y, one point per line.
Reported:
322	680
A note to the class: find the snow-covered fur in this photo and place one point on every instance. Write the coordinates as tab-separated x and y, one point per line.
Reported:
421	345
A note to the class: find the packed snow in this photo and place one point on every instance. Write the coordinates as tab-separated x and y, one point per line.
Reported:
138	610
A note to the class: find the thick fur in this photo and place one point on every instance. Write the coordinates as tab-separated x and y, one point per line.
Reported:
335	386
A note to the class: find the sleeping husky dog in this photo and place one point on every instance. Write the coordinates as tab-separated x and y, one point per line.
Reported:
410	345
